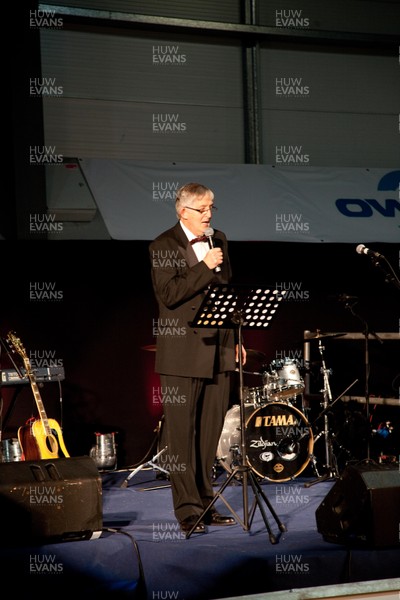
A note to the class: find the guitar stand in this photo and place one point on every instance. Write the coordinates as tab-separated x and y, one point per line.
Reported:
216	297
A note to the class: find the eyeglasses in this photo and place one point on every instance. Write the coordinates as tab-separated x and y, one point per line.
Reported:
202	211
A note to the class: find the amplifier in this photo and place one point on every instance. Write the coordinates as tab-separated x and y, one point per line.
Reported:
50	501
363	507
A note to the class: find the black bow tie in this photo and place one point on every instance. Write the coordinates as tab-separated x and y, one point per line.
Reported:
201	238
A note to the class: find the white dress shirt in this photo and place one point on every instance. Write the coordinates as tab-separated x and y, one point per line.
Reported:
200	248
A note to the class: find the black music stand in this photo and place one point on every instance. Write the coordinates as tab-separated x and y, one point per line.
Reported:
236	307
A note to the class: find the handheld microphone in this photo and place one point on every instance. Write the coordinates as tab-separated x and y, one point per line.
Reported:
346	298
361	249
209	232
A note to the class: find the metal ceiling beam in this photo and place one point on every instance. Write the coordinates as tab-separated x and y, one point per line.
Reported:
256	32
251	89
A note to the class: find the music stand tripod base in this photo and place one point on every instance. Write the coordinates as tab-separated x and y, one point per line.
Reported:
235	307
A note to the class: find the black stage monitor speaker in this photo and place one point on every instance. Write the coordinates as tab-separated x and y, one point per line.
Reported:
50	501
363	507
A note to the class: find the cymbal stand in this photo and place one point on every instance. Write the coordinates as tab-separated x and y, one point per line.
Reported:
367	334
330	459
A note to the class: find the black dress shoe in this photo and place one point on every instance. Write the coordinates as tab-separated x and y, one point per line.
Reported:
187	525
214	518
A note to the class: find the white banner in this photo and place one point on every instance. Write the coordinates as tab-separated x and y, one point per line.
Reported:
255	202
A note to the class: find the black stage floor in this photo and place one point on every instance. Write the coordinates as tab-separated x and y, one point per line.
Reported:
140	553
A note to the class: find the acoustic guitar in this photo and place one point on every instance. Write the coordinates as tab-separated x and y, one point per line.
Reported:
40	438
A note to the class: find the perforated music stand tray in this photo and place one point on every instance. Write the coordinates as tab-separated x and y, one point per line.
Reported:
237	307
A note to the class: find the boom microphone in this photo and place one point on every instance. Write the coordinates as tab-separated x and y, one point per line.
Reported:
361	249
209	232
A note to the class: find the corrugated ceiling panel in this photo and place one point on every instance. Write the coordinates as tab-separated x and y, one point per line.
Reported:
106	129
307	79
340	109
362	16
320	139
143	97
208	10
145	68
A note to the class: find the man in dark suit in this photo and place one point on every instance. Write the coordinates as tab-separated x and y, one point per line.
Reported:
194	364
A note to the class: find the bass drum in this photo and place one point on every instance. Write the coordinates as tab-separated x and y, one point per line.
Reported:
278	441
228	450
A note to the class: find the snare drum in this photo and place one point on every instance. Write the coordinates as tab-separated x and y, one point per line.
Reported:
272	385
256	396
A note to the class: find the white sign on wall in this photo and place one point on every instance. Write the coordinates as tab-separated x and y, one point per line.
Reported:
255	202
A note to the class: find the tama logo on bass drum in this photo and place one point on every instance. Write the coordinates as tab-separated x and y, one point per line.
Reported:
275	420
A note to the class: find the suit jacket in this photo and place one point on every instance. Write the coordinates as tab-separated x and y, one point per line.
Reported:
180	282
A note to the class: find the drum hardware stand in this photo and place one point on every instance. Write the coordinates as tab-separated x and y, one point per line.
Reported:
330	458
332	473
149	463
235	450
213	313
366	334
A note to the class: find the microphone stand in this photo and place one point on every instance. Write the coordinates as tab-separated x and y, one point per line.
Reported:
367	367
390	275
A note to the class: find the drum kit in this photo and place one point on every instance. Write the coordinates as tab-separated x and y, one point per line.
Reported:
278	437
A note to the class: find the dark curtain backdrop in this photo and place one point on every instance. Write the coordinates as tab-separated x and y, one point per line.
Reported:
101	324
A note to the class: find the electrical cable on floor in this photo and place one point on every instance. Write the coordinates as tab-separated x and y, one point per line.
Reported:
142	588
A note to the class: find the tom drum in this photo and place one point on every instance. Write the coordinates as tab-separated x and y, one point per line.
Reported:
290	382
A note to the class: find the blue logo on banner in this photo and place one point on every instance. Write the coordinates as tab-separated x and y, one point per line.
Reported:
364	207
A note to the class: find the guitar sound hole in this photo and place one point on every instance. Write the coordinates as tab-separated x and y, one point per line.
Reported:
52	442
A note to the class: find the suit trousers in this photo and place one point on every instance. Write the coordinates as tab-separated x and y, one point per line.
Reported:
194	413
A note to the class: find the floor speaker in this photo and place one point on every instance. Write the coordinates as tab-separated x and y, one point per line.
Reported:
50	500
363	507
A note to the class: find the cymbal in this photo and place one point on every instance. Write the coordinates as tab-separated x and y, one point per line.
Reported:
255	355
250	354
150	348
318	335
255	361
